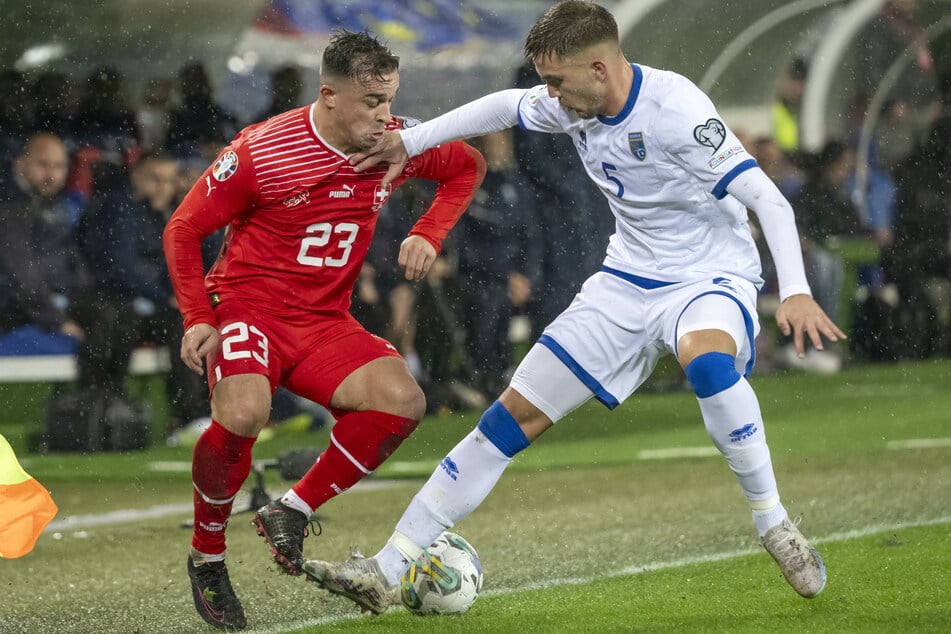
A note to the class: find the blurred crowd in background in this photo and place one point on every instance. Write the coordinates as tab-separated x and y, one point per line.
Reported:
90	174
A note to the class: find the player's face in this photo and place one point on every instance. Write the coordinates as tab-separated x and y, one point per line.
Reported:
363	110
572	81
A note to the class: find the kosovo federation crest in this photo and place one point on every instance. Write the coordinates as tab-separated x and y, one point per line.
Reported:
636	141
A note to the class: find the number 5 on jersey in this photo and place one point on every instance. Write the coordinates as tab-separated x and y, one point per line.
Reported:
608	168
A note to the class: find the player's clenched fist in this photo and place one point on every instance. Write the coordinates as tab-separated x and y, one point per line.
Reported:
416	257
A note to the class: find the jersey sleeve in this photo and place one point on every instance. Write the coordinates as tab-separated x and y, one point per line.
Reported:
224	192
539	112
458	168
693	134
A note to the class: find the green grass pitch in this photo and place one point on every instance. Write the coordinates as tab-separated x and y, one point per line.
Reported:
596	528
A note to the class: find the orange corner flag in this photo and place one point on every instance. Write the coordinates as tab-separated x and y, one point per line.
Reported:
25	506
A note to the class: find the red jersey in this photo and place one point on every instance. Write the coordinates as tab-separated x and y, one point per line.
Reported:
299	219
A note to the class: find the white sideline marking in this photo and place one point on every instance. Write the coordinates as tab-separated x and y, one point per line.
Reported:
678	452
126	516
173	466
918	443
631	571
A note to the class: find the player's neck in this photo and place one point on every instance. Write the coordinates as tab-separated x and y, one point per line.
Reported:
329	133
620	90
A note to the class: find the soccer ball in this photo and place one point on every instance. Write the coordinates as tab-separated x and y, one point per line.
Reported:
445	579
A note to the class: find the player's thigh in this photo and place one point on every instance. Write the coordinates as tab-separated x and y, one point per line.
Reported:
547	386
709	318
353	370
384	384
603	339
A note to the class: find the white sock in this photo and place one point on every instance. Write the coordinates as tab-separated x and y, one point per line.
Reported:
461	481
294	501
733	420
766	519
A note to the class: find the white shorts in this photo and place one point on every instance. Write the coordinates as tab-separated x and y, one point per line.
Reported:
608	341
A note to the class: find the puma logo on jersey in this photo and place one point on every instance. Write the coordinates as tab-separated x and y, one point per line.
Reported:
210	186
347	192
297	199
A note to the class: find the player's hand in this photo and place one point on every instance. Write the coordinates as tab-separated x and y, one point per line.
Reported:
416	257
389	149
199	341
800	315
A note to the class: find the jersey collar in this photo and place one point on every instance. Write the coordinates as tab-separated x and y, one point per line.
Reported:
631	99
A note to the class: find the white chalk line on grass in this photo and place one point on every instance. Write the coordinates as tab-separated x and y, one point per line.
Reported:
630	571
126	516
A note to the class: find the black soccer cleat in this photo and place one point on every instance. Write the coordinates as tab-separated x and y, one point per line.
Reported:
284	530
214	597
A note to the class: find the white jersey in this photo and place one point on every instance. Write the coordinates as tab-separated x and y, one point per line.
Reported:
663	163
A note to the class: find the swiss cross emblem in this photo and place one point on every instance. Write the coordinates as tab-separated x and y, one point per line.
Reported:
380	195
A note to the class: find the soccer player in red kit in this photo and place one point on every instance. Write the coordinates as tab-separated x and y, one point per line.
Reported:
273	310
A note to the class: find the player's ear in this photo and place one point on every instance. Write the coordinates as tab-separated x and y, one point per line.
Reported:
328	94
599	69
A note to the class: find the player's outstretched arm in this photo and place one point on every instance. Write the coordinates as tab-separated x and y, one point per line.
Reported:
801	316
491	113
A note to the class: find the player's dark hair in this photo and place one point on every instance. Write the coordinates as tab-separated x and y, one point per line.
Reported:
569	27
359	56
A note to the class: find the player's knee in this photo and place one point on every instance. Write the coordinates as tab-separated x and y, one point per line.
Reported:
403	398
502	430
712	373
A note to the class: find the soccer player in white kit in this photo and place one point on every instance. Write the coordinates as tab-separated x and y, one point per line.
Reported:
680	277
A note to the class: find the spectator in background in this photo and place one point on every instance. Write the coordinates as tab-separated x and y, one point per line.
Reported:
286	88
573	241
121	239
41	271
500	256
824	213
14	117
199	121
919	260
787	106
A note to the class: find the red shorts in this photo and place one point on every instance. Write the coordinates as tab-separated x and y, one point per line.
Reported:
310	354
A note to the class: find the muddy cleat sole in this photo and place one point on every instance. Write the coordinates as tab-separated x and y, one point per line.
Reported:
801	564
284	530
358	579
214	597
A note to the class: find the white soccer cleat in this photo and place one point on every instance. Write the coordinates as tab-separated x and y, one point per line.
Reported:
358	579
800	562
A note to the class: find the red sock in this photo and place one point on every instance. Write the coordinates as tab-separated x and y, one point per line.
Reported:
359	443
220	464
